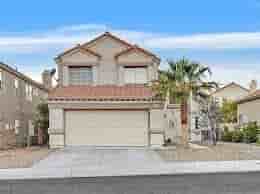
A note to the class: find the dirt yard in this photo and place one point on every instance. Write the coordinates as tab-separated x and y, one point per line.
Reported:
22	157
220	152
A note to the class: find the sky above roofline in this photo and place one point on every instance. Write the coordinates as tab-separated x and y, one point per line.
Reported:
224	35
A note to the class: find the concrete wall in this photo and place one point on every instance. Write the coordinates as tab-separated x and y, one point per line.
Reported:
239	183
15	106
107	69
250	110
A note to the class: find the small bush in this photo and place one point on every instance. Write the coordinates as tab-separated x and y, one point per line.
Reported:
250	133
237	136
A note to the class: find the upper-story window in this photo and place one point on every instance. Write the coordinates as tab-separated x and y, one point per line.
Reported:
80	75
1	80
135	75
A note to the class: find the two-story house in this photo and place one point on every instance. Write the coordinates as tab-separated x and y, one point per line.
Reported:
104	96
19	96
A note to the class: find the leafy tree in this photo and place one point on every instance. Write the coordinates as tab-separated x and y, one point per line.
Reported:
229	111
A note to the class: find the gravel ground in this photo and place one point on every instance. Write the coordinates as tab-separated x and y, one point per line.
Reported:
220	152
22	157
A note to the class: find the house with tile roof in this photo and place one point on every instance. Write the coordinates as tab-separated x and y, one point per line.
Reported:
231	92
104	97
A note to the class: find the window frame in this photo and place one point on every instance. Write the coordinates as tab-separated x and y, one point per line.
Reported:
135	69
76	80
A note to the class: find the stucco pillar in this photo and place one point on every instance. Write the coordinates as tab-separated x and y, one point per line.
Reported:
149	73
120	75
56	128
174	130
95	74
65	75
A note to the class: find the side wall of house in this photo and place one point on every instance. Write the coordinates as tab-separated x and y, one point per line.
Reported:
249	111
15	106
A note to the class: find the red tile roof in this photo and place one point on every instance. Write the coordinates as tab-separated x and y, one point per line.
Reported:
129	92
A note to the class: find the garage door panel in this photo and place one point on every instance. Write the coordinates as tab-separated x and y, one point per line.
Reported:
112	128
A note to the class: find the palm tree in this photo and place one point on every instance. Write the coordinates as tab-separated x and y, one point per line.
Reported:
180	82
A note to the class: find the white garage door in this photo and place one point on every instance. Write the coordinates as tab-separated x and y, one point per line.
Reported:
106	128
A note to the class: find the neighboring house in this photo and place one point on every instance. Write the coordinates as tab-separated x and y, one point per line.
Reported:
104	97
232	92
19	96
249	108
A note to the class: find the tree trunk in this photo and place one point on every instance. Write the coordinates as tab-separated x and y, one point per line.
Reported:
184	124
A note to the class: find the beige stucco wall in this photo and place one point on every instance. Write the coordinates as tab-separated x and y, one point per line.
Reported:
133	57
172	128
231	93
79	58
107	69
251	110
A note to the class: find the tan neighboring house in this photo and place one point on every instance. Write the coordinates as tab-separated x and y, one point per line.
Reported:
19	96
231	91
104	97
249	106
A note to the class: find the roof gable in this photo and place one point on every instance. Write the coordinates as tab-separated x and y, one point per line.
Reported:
228	86
106	35
134	56
123	47
136	50
80	55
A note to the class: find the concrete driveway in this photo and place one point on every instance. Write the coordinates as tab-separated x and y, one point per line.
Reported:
71	157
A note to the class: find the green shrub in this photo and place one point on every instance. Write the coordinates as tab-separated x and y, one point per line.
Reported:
250	133
237	136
